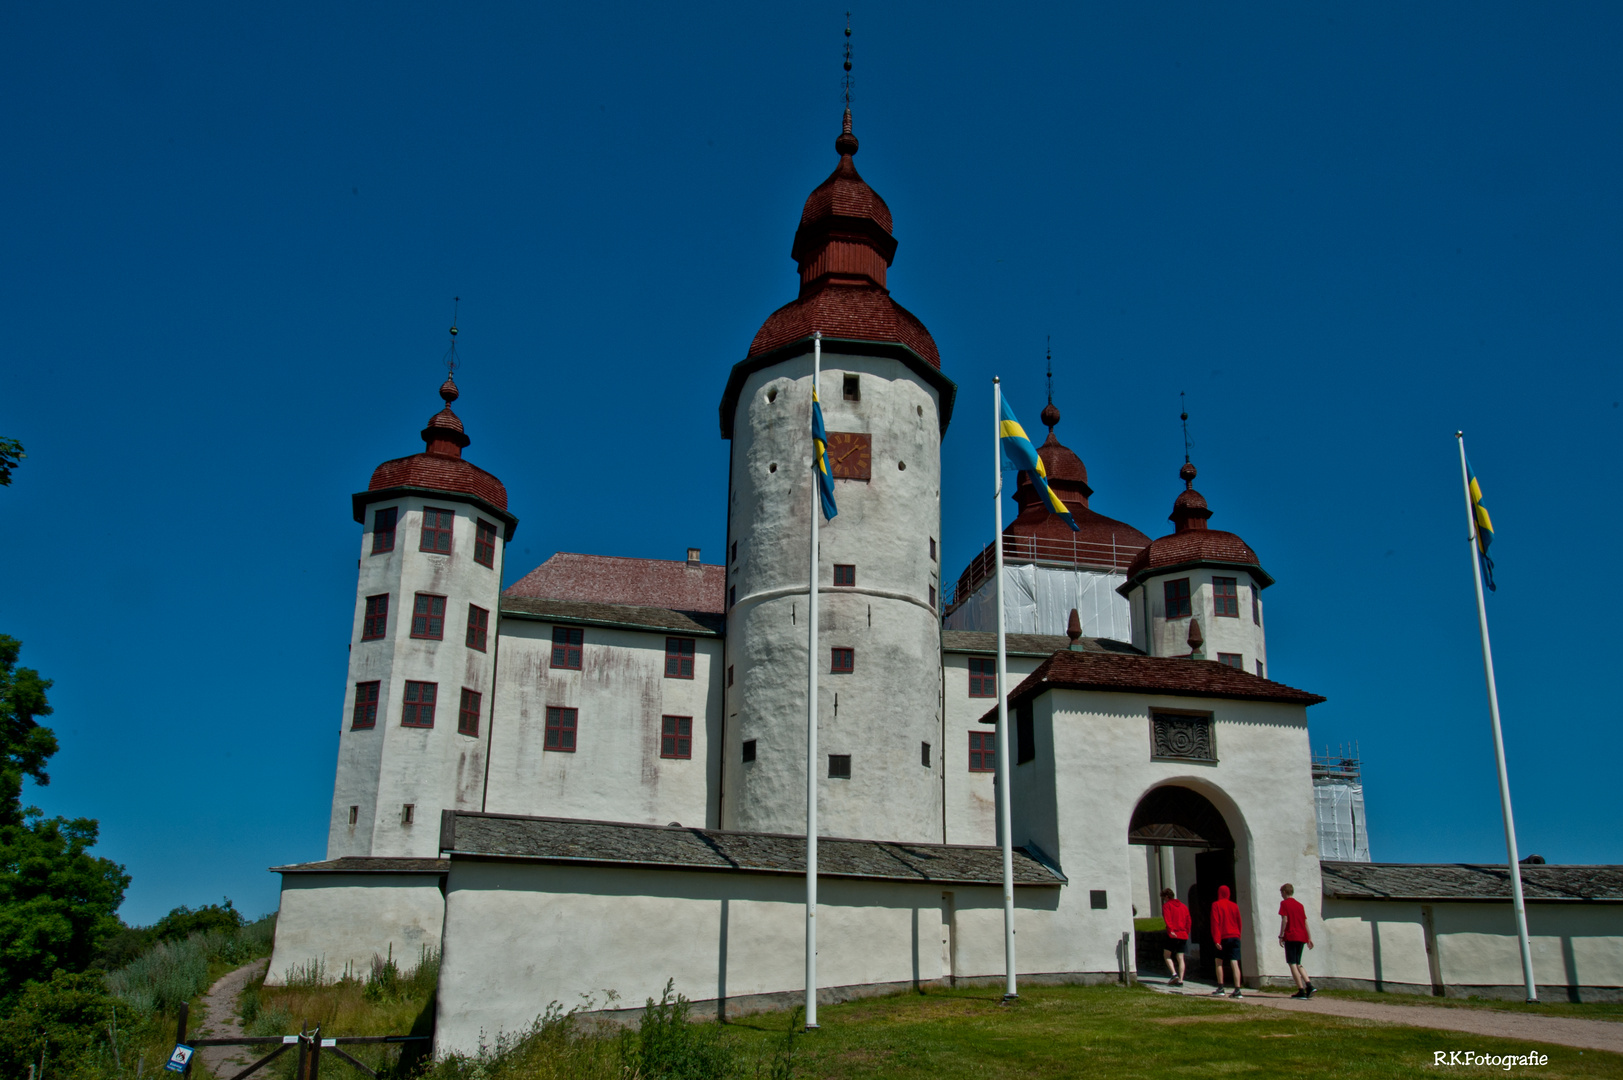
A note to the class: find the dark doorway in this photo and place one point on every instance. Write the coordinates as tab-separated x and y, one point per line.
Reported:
1212	868
1174	816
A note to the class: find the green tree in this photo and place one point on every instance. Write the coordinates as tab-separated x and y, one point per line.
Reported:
11	453
56	899
69	1025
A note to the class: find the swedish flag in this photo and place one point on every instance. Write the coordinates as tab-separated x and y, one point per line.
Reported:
1484	527
825	481
1018	453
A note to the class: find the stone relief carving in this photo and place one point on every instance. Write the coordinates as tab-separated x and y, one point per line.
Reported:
1186	737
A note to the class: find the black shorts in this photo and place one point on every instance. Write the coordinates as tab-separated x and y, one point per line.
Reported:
1176	946
1293	952
1230	949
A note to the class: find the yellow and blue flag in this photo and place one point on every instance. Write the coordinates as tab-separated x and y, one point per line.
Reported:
825	481
1018	453
1484	527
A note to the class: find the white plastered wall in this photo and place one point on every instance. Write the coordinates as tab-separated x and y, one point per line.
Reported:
383	769
1075	800
1245	635
339	921
621	694
970	797
883	712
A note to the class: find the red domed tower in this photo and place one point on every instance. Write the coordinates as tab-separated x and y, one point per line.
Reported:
418	702
886	404
1061	568
1204	575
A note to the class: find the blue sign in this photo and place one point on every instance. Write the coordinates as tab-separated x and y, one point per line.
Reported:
180	1059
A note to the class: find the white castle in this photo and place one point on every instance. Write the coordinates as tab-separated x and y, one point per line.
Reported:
595	780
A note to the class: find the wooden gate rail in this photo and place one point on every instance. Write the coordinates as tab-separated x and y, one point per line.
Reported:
310	1044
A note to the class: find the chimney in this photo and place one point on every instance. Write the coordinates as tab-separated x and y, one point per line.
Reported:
693	556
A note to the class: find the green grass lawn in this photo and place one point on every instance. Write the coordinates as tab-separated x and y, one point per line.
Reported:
1126	1032
1607	1010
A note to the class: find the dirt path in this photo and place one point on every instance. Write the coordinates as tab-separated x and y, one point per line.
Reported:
217	1019
1499	1023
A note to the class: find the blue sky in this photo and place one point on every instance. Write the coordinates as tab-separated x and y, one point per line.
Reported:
1345	230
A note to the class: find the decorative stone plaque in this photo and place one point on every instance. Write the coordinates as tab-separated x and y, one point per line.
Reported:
1185	737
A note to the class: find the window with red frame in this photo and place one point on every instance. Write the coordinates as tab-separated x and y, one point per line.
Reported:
1177	594
428	617
478	623
484	543
1232	659
843	661
437	530
982	676
679	658
982	751
566	643
418	710
676	737
845	574
560	730
1226	597
467	715
366	706
383	530
377	618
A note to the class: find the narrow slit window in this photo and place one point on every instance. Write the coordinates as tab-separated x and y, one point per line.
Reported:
676	737
354	815
729	674
924	754
408	814
428	617
749	750
1025	734
366	706
418	708
1260	675
376	621
383	522
839	766
932	597
484	544
843	661
467	716
567	642
932	549
1256	606
845	574
478	627
560	730
437	530
679	658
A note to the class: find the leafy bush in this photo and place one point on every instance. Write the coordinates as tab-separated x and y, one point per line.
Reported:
668	1046
183	922
70	1026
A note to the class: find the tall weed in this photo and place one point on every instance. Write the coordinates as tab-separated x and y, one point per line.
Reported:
171	972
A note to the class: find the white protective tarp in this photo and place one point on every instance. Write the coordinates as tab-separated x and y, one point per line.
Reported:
1039	599
1340	808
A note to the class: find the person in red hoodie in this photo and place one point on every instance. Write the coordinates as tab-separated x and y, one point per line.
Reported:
1226	934
1176	915
1293	934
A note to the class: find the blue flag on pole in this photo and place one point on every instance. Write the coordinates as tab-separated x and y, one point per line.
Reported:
1484	527
825	481
1018	453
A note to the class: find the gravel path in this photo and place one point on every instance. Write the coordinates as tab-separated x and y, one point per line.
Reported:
217	1019
1499	1023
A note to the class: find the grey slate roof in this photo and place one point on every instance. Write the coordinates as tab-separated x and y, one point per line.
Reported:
696	623
1465	881
984	641
569	840
366	864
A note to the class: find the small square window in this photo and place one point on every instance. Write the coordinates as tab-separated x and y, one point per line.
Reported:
566	647
467	716
932	597
437	530
428	617
1226	597
729	674
844	661
478	626
839	766
924	754
418	710
1097	900
932	549
408	814
982	751
982	676
845	574
484	544
853	388
560	730
1232	659
383	522
749	750
366	706
735	551
1025	734
679	658
377	618
1177	596
676	737
1260	675
354	816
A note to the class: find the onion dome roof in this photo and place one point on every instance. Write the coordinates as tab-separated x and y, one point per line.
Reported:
1068	477
844	247
1193	543
439	468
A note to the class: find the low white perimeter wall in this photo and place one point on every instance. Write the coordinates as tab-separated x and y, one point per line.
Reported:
519	936
1381	944
346	919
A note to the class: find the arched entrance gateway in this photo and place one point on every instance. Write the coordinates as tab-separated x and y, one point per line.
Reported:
1191	851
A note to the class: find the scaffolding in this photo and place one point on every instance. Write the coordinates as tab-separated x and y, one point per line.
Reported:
1338	802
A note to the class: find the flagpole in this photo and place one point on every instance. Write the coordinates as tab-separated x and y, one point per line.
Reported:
811	719
1498	736
1004	837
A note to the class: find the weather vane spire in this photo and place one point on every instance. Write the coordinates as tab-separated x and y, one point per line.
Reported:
452	360
1183	415
847	81
1051	369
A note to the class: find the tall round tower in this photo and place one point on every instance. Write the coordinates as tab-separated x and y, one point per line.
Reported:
886	405
416	721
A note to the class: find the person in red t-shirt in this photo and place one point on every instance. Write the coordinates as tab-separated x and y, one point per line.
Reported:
1293	934
1226	934
1176	915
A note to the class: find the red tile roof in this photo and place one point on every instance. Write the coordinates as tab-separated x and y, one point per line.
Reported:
859	311
1193	543
1177	676
607	579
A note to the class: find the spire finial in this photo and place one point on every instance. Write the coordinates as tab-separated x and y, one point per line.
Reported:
1050	415
847	81
448	390
1187	473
